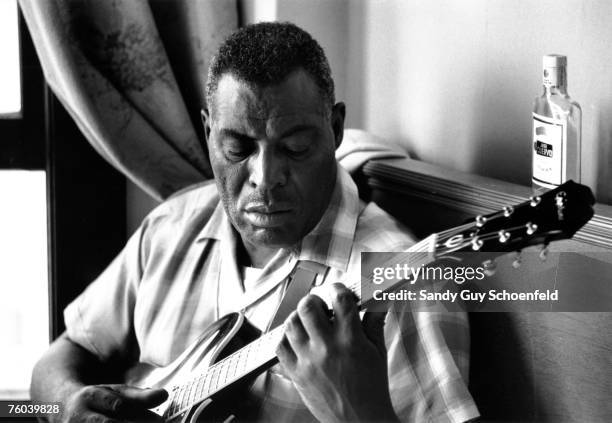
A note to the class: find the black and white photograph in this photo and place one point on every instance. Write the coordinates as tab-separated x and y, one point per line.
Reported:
306	211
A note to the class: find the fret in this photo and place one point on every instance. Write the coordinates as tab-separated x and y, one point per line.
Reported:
181	394
173	402
236	362
228	368
244	359
200	390
185	399
191	394
224	369
231	371
223	372
175	395
207	382
214	383
247	351
240	361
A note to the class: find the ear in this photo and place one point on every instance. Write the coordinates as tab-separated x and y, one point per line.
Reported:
206	123
337	122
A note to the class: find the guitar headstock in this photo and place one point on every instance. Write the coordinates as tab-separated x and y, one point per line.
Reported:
556	214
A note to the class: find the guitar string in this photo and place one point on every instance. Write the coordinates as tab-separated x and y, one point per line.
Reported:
484	237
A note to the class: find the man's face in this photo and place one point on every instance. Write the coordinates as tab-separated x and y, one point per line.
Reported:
272	154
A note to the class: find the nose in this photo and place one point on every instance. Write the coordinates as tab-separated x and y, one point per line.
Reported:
268	170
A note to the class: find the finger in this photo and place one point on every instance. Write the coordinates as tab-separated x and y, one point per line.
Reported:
374	329
102	399
286	355
133	403
312	314
295	332
346	313
144	396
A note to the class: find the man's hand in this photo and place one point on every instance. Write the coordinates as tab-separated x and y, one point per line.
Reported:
112	403
338	366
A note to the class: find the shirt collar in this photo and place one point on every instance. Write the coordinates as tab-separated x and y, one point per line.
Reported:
218	226
330	242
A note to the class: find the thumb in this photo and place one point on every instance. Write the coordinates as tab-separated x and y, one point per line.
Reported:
373	325
146	397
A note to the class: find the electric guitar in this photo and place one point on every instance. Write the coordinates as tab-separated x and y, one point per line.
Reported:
204	382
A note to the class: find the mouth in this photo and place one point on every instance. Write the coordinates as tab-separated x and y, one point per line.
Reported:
268	216
260	208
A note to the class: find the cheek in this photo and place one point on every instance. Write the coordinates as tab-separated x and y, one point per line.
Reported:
230	179
315	182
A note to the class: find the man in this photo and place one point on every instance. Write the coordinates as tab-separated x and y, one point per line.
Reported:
280	199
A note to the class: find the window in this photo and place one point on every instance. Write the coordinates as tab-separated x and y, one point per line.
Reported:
24	311
24	298
62	210
10	78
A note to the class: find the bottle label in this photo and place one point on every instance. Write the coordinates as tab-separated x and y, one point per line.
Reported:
549	151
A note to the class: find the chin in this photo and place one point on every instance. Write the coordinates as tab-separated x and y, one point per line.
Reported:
273	237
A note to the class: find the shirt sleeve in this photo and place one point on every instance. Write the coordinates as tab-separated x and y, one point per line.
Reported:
428	359
101	318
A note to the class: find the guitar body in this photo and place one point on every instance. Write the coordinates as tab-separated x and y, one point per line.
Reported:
222	338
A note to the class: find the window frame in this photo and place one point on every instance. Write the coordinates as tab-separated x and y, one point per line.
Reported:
86	196
23	135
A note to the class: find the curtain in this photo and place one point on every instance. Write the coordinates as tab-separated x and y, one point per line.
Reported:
132	74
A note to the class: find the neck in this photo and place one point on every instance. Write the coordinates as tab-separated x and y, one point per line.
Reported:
255	255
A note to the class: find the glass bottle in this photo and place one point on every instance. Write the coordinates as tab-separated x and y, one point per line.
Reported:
556	129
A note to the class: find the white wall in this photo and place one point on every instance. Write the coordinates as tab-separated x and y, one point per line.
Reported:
453	80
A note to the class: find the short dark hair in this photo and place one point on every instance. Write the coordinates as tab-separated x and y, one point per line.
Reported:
266	53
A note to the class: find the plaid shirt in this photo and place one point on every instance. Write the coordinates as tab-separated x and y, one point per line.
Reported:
165	288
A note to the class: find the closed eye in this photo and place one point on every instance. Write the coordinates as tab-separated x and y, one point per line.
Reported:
299	140
236	146
297	148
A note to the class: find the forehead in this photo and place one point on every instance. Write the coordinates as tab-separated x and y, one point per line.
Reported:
297	98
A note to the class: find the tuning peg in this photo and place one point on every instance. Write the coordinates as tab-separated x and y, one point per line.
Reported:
508	210
531	228
503	236
534	200
490	267
476	243
480	220
544	253
518	260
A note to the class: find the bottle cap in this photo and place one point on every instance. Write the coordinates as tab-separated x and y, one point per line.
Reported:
554	61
